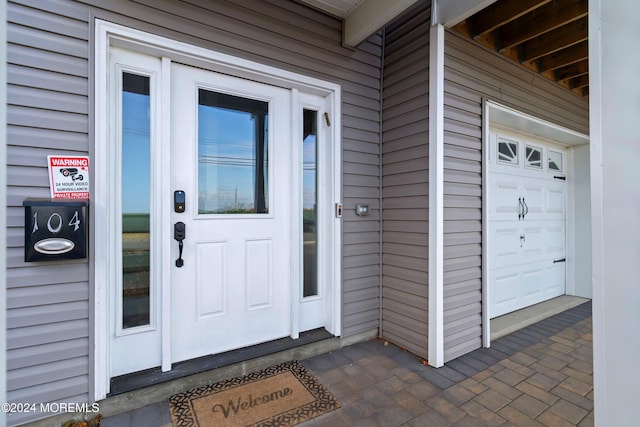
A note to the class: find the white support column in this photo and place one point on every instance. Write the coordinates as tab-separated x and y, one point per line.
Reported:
614	62
436	196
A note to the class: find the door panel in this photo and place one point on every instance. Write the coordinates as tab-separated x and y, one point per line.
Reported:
229	153
211	261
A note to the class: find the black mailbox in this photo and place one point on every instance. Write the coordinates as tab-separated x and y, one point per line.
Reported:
55	229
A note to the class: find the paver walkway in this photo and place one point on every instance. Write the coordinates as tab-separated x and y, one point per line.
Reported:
539	376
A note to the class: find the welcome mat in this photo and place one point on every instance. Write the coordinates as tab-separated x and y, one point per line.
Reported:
283	395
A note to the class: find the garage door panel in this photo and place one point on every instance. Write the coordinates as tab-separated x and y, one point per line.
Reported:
533	243
533	197
532	277
520	286
555	283
505	290
504	205
556	203
506	249
556	243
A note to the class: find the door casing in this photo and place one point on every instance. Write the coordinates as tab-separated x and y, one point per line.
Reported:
109	34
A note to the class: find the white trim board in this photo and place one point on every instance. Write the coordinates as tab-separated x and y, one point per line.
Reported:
109	34
436	196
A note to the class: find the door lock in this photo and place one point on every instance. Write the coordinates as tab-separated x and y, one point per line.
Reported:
179	233
178	201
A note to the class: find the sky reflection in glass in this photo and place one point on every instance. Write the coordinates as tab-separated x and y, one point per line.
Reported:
229	142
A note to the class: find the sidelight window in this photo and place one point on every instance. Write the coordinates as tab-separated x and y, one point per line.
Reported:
310	202
136	199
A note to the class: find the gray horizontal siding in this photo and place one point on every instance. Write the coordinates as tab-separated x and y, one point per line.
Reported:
405	186
49	112
471	74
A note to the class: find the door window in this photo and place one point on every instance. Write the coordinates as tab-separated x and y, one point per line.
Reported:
232	154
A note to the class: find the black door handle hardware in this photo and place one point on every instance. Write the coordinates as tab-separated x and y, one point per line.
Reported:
564	178
526	207
555	261
179	233
520	209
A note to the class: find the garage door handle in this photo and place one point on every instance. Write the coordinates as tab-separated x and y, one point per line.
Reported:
525	207
520	209
555	261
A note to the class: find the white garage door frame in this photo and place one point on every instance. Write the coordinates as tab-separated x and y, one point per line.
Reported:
495	114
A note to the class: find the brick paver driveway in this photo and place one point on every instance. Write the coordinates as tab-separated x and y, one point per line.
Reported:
539	376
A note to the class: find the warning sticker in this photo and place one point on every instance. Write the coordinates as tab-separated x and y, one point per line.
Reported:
69	177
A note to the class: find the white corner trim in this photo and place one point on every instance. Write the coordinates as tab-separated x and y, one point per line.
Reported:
486	319
601	365
3	197
436	196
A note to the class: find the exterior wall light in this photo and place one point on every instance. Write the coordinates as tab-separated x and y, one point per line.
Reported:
362	209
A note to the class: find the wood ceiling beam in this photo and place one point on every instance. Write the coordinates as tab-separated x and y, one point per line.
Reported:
547	18
572	71
553	41
564	57
579	82
502	12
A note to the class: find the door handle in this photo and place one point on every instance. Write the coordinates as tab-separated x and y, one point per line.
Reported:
179	233
526	207
520	209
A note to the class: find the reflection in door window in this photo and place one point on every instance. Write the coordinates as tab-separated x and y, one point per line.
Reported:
309	202
136	143
232	154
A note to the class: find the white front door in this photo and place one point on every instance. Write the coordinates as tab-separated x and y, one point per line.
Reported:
230	155
527	214
250	172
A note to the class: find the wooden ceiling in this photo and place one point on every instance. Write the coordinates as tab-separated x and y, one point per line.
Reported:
549	37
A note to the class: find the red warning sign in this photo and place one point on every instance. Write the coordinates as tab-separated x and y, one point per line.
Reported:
69	177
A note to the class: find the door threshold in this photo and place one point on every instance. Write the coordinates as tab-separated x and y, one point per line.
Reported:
153	376
511	322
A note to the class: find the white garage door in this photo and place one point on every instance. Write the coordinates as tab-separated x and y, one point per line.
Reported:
526	213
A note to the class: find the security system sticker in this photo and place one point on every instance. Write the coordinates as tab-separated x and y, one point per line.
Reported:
69	177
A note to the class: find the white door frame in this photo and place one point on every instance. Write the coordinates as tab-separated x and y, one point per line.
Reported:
501	115
109	34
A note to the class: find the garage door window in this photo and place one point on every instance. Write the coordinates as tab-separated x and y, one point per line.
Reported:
508	152
555	161
533	157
